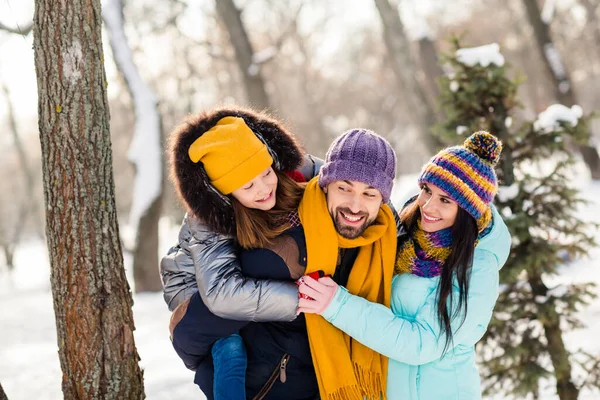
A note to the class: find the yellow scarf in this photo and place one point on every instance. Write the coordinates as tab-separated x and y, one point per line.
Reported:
347	370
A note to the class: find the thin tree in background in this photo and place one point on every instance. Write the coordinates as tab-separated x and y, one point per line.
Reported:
404	69
27	205
145	153
92	301
558	73
525	340
231	18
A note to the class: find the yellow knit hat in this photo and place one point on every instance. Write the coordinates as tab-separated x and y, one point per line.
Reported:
231	153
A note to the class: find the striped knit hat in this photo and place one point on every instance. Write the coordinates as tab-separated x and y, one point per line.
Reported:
466	173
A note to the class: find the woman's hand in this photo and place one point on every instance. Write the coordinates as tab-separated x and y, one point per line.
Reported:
321	293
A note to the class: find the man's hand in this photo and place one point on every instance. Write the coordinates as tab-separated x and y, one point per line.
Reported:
321	292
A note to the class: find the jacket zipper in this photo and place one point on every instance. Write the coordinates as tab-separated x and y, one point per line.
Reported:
282	367
281	371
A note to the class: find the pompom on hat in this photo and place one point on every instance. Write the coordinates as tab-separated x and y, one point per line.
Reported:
466	173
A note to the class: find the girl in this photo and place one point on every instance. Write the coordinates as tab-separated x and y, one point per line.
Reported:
446	283
227	168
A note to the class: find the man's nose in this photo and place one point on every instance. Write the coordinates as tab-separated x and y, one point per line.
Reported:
355	205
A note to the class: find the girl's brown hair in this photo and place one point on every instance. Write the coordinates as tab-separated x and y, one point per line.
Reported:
256	228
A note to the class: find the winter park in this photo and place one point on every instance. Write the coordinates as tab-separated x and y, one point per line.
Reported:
300	199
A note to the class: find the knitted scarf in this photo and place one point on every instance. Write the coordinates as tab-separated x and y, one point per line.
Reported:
345	369
424	253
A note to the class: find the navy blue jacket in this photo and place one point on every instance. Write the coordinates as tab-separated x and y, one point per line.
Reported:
276	350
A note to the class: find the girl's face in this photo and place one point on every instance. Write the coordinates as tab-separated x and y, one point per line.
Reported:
259	193
438	210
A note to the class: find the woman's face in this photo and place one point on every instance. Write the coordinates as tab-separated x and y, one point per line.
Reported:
438	210
259	193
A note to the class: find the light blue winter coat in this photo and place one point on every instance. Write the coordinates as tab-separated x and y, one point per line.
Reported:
409	333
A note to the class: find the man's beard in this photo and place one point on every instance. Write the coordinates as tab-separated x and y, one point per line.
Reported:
350	232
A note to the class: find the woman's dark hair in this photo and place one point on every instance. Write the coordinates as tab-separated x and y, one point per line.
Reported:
256	228
464	236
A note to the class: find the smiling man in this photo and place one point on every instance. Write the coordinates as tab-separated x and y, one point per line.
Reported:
350	234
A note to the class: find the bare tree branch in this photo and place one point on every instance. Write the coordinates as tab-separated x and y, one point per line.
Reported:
19	30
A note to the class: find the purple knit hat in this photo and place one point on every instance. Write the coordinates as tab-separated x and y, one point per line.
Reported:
360	155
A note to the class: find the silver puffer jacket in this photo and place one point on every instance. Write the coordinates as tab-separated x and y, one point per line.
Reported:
207	262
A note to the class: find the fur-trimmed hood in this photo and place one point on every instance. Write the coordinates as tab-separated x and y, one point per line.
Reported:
191	182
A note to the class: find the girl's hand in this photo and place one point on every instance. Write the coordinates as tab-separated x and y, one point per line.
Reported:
321	292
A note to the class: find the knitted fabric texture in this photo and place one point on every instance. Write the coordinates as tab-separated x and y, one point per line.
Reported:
466	173
363	156
231	153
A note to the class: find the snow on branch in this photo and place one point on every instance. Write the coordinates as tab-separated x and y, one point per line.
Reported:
557	66
550	119
482	55
19	30
548	11
145	149
261	57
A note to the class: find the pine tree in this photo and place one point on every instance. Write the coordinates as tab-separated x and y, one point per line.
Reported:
524	342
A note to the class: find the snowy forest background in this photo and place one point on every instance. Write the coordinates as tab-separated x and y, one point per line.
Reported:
323	67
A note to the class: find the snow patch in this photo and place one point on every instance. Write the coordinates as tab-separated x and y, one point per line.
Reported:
548	11
556	64
461	130
264	55
549	120
72	59
482	55
506	193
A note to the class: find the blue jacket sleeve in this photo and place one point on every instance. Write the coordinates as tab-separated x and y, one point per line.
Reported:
419	341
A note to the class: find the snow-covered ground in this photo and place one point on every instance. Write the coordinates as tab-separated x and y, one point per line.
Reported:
29	366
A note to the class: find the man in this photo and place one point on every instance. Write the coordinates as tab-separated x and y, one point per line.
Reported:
346	224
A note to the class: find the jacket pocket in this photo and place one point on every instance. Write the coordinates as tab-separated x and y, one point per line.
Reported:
278	372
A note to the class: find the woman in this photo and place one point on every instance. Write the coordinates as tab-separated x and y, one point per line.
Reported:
446	283
227	168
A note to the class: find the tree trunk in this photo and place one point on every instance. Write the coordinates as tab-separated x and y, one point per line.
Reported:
563	88
592	20
147	129
27	205
397	44
91	297
9	254
556	346
145	255
251	73
431	67
2	394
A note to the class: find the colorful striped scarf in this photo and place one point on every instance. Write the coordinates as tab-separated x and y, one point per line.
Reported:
424	253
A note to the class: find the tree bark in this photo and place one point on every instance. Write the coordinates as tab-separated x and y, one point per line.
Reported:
231	17
397	44
92	301
147	125
563	88
556	346
2	394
